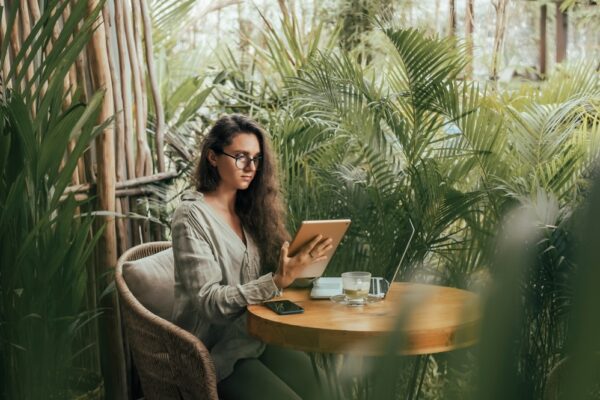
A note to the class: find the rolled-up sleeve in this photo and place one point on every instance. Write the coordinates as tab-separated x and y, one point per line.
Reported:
200	275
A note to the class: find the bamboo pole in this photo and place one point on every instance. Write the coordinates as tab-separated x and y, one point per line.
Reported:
15	44
26	31
68	87
143	156
4	35
143	151
113	358
125	193
71	86
67	100
136	182
84	81
126	94
158	107
122	206
139	52
34	9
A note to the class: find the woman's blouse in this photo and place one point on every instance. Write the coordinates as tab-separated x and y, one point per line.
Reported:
216	277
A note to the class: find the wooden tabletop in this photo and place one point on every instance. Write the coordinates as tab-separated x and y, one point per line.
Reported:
413	318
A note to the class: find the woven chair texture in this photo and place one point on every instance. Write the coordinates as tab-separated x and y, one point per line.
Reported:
172	363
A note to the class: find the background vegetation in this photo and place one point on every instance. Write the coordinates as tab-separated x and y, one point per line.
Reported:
381	126
372	119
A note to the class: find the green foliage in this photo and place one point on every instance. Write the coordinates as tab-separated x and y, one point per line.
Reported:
45	240
398	135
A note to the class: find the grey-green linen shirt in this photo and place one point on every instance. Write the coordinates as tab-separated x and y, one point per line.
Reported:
216	277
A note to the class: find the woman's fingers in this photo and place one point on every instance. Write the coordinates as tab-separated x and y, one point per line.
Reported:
325	245
321	258
311	245
321	248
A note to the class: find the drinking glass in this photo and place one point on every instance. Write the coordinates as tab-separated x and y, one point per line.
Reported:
356	285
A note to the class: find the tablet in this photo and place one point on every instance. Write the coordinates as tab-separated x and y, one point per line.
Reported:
333	228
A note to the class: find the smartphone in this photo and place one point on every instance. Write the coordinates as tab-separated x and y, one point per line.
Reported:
284	307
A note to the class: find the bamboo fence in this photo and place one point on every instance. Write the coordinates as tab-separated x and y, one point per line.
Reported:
126	159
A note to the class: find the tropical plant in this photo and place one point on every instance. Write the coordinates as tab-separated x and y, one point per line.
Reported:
400	136
403	138
45	239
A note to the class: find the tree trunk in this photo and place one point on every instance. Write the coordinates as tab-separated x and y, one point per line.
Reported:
437	16
452	18
561	34
543	39
113	364
500	7
469	24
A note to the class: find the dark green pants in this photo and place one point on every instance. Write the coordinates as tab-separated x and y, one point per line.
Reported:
277	374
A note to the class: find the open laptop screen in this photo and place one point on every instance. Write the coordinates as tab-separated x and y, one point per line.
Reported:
380	286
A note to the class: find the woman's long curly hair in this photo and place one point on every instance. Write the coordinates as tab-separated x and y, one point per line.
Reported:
259	206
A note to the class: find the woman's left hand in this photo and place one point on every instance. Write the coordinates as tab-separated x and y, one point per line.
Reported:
291	267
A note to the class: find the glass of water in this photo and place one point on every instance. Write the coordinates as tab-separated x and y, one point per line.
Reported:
356	285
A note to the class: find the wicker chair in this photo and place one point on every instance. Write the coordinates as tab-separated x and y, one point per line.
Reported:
172	363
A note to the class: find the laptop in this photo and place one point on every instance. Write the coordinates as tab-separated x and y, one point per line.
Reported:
327	287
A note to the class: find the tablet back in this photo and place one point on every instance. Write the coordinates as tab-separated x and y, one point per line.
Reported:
334	229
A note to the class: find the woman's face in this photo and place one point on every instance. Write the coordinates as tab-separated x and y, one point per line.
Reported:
232	176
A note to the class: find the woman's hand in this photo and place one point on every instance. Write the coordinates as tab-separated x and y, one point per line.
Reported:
291	267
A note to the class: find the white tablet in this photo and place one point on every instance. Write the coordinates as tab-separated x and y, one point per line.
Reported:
333	228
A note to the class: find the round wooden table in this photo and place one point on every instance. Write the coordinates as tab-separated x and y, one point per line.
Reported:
425	318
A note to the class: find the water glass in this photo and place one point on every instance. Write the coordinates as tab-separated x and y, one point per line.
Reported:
356	285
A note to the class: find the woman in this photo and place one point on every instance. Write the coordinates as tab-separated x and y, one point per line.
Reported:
230	248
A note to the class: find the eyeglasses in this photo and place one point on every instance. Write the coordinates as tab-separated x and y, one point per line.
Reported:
242	161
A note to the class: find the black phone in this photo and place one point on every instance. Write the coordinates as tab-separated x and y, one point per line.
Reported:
284	307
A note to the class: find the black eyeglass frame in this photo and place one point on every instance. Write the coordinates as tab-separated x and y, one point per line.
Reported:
256	160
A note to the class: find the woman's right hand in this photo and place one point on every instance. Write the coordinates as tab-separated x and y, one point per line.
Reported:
291	267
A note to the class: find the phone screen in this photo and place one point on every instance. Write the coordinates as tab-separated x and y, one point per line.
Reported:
283	307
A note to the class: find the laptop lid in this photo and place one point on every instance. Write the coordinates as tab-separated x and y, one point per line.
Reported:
412	233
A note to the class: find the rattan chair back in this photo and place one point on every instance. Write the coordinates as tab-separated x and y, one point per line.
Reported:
172	363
